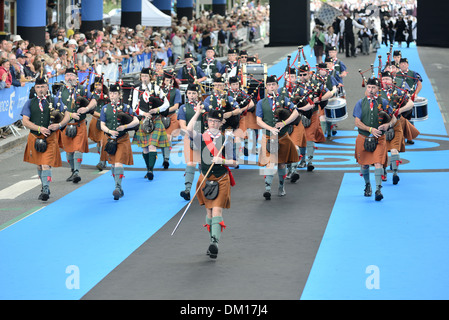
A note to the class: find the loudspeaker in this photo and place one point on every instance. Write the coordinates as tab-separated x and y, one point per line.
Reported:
289	22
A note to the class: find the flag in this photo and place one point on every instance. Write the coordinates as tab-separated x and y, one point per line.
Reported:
327	14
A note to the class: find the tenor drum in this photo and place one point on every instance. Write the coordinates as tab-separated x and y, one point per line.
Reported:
254	72
336	110
419	111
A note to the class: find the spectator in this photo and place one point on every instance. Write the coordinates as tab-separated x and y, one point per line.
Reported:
5	74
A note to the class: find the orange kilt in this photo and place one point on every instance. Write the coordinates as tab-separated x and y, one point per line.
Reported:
223	199
251	122
79	142
286	152
408	129
51	157
189	154
314	131
364	157
94	134
298	135
398	142
241	130
124	153
174	123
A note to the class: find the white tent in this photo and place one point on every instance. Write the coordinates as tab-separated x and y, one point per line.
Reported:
151	16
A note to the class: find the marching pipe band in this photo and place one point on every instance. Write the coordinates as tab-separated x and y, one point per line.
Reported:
235	101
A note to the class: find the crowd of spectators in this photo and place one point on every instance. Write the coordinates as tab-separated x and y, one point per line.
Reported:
25	60
22	61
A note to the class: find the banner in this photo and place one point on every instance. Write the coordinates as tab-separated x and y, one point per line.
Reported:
11	103
135	64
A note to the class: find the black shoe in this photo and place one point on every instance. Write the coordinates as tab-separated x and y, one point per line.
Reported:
45	194
368	191
213	250
76	177
310	167
185	195
294	177
150	175
100	166
395	179
165	164
117	193
71	177
267	195
410	142
378	195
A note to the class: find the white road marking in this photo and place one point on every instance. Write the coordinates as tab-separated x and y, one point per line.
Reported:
18	188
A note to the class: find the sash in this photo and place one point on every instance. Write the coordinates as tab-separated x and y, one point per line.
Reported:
213	150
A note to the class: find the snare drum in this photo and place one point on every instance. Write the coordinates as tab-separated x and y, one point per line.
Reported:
419	111
336	110
254	71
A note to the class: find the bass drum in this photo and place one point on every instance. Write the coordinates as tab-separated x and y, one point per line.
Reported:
336	110
252	72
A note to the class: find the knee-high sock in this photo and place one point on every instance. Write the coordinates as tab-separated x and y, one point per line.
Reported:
216	228
268	181
146	158
394	164
166	153
46	178
365	174
209	226
39	173
188	177
70	160
378	175
77	159
152	156
118	172
282	172
310	149
323	126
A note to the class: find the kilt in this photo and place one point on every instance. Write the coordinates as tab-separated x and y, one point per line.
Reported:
157	138
79	142
223	200
398	142
123	155
251	122
94	134
241	130
314	131
51	157
369	158
409	131
298	135
286	152
174	123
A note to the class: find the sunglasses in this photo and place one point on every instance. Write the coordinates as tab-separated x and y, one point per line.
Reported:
303	74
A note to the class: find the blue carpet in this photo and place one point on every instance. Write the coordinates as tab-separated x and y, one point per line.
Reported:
403	238
86	229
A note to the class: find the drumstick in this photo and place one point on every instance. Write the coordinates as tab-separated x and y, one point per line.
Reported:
197	189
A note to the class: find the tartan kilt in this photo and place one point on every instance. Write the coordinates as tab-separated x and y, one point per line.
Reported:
156	138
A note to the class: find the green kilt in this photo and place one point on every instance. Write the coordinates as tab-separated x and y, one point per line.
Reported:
156	138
